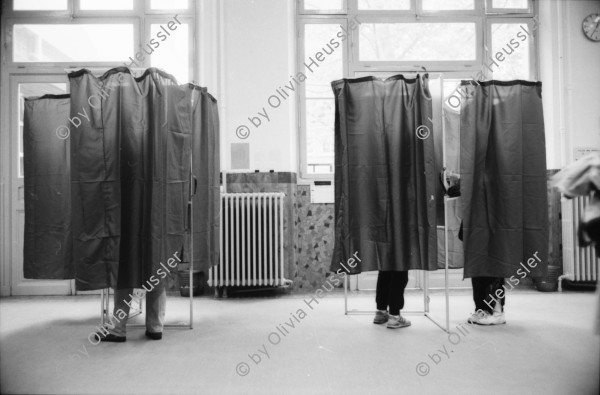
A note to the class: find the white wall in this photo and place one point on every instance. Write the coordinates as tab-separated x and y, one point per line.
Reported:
256	55
570	72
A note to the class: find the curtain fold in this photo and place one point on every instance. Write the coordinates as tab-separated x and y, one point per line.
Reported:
47	239
206	201
133	144
503	178
384	175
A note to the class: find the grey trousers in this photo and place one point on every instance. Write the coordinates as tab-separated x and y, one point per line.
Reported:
156	302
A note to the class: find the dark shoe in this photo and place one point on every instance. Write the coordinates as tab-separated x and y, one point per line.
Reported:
154	335
110	338
381	317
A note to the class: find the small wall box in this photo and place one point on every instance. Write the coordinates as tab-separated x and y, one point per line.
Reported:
322	192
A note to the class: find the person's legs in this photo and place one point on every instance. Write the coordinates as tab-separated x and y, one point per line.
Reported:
156	302
496	284
119	318
481	290
396	300
382	297
382	293
488	306
396	291
122	299
496	303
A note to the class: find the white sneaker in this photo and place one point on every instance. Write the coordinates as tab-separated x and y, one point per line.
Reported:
476	316
397	321
493	319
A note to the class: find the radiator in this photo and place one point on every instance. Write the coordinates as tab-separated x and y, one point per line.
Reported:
579	264
252	240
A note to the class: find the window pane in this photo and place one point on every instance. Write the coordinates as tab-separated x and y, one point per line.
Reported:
510	4
172	54
77	42
106	4
32	90
39	5
320	116
452	95
510	51
324	5
437	5
317	39
417	41
169	4
384	4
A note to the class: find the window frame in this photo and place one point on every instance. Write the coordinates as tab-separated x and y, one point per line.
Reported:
483	15
301	103
533	61
353	10
136	10
139	17
161	19
416	9
447	65
478	10
66	21
8	11
190	10
303	11
530	10
140	8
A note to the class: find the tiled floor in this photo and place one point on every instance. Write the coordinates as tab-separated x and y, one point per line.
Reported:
548	346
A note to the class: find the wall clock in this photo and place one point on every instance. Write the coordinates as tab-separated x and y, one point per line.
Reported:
591	27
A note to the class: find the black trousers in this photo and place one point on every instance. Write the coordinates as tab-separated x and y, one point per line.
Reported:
390	291
484	293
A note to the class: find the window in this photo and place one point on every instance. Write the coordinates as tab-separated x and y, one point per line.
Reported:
448	5
319	100
510	51
169	4
321	41
73	42
510	4
106	4
37	5
102	33
324	6
416	42
384	4
472	38
172	55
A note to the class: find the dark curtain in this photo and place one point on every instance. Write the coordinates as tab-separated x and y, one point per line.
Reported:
131	146
207	200
47	252
503	178
385	207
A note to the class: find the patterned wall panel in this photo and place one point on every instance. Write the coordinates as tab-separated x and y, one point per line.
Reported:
314	241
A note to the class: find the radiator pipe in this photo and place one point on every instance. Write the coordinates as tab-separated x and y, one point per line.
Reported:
287	283
560	278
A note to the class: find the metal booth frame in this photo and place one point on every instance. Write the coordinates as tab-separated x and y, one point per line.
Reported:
426	299
105	293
